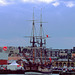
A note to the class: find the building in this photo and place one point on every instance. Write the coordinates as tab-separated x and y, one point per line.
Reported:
3	57
63	54
54	53
73	56
62	62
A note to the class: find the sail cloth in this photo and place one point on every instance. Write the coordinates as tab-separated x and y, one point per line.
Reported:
14	66
14	63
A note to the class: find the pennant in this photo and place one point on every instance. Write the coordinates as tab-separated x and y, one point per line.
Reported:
46	35
50	59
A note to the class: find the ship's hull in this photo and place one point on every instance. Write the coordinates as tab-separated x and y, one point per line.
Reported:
56	71
12	72
38	71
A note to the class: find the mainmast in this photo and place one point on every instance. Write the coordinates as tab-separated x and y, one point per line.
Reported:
41	29
41	37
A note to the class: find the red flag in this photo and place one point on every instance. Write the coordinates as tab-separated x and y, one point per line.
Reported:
46	35
18	65
50	59
4	48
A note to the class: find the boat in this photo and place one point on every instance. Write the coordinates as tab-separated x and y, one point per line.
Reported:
38	43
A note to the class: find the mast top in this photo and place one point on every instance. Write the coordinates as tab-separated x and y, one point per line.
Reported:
33	13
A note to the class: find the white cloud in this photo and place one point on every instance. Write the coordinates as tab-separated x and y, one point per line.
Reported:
28	0
56	4
35	1
46	1
53	2
3	2
70	4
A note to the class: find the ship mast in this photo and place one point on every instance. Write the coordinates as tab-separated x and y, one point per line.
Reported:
41	37
33	38
33	43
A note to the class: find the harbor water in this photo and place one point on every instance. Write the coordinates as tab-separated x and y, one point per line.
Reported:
29	74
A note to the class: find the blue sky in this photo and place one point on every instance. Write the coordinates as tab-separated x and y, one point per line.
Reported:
14	24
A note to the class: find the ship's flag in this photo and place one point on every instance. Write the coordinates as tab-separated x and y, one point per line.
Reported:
46	35
4	48
50	59
18	65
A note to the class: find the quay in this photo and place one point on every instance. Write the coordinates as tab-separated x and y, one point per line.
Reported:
67	73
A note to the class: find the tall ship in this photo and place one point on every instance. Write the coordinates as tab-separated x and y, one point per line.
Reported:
37	50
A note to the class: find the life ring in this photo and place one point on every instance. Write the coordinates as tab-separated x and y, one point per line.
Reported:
4	48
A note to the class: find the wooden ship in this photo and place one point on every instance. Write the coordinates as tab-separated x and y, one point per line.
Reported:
38	44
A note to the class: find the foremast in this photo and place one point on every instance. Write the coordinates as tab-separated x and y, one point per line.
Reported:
33	38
